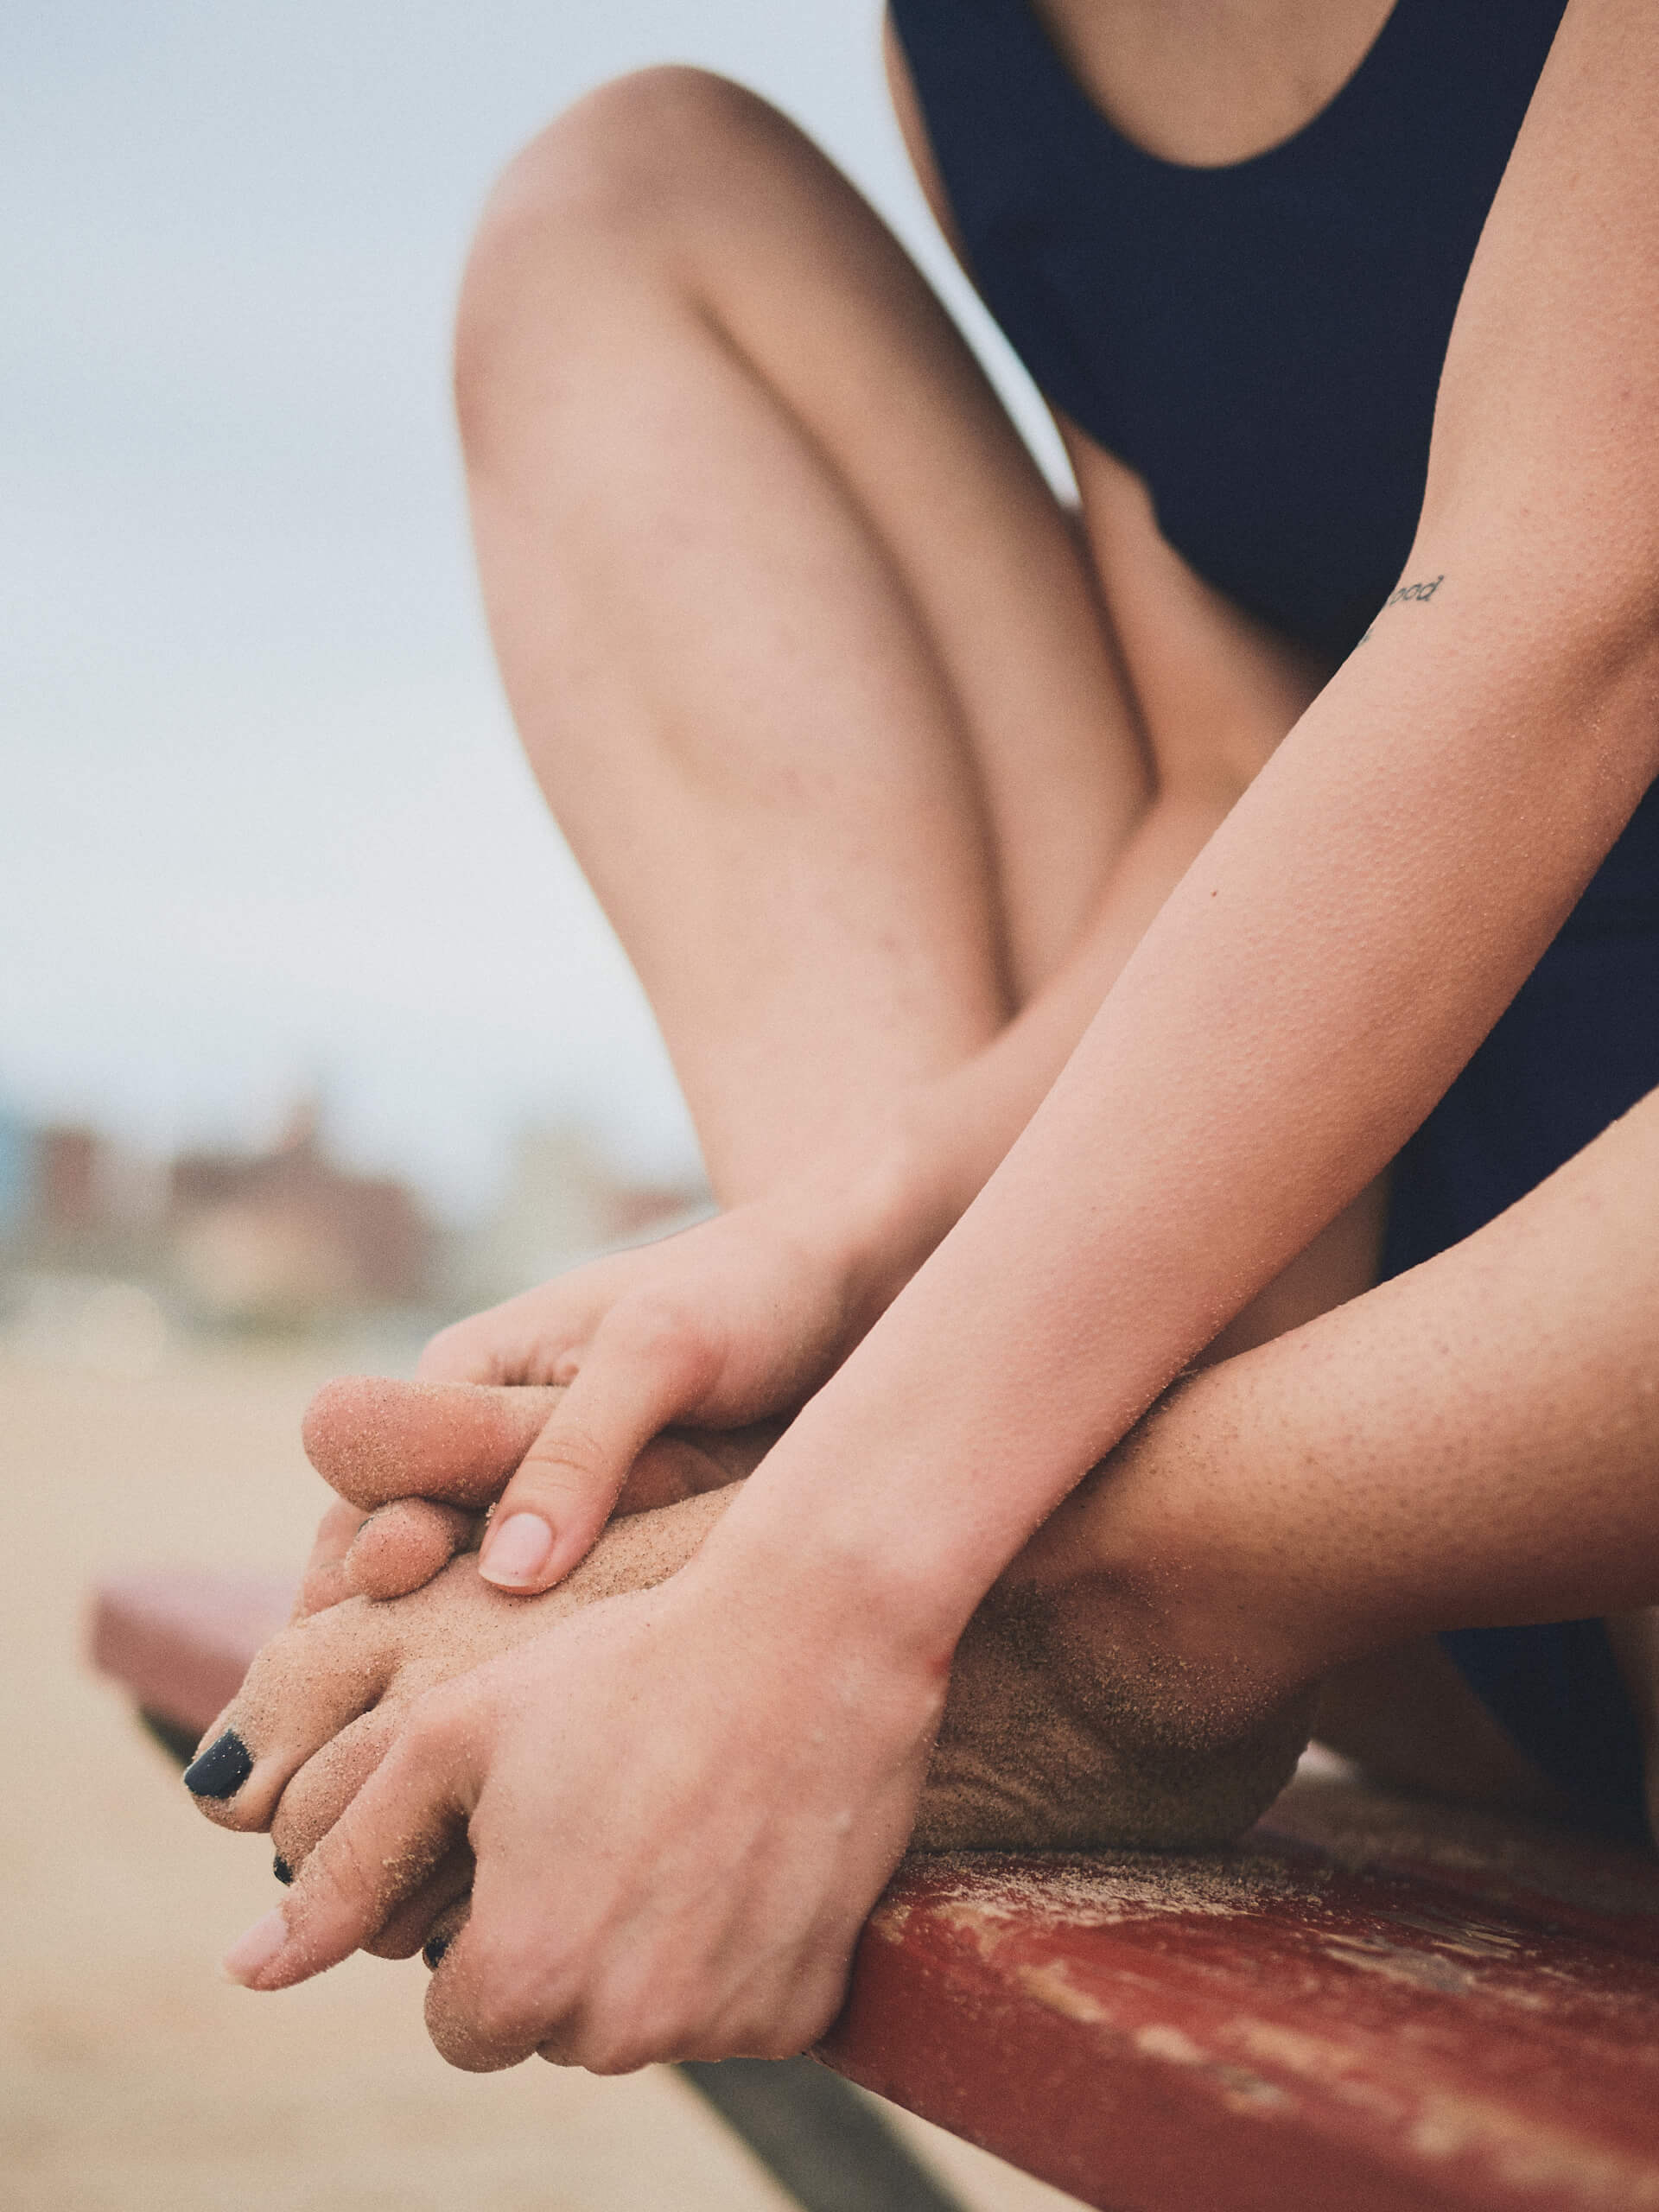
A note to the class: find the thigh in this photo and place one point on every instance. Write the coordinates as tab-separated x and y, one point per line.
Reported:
674	204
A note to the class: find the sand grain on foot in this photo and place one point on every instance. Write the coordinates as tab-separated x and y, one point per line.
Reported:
132	2077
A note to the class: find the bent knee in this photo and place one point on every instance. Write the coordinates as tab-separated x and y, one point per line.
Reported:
604	192
622	158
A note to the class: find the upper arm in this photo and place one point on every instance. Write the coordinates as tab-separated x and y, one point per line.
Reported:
1544	453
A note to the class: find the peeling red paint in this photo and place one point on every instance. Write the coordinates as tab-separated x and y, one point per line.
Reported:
1371	2005
1368	2007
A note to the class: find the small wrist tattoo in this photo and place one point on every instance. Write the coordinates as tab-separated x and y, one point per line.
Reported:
1424	589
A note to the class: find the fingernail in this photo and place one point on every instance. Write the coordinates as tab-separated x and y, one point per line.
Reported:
282	1870
221	1770
516	1552
247	1958
432	1950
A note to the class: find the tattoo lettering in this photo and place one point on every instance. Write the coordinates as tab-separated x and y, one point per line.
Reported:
1424	589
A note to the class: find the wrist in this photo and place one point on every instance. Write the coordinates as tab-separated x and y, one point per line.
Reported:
881	1210
821	1579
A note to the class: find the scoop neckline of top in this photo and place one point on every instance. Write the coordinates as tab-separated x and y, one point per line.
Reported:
1351	86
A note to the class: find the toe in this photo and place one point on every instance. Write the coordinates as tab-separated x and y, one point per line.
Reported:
319	1791
433	1916
220	1768
305	1686
375	1440
325	1581
404	1544
685	1463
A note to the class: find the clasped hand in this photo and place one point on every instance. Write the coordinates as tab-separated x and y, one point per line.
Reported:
678	1803
679	1822
731	1323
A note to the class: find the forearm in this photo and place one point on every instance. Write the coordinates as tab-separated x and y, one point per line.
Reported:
1476	1442
949	1137
1299	1002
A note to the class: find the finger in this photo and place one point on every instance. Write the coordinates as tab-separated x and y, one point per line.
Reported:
374	1440
324	1582
529	1339
402	1546
388	1842
305	1686
445	1929
313	1803
630	1387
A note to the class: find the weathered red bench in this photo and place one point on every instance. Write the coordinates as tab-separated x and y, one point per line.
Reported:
1371	2003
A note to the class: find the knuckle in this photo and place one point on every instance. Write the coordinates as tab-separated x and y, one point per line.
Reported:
619	2054
617	2038
571	1463
645	2008
665	1328
337	1873
651	1318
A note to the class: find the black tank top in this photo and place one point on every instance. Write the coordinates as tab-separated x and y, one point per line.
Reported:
1261	342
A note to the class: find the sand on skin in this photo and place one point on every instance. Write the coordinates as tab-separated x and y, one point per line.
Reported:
131	2076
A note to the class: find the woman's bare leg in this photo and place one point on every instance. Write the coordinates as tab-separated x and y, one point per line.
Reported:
804	651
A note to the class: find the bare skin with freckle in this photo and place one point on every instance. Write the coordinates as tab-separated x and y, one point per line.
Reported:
1146	1668
1064	1727
1052	957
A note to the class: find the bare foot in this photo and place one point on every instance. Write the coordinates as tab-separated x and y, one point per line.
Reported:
1087	1710
1074	1718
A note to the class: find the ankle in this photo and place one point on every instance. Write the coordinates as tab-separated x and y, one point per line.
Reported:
1139	1560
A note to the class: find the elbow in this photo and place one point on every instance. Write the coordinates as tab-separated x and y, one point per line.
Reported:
1562	620
1565	575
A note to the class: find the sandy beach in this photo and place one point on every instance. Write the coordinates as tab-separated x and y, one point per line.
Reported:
131	2076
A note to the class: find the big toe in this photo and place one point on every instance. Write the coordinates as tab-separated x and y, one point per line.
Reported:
374	1439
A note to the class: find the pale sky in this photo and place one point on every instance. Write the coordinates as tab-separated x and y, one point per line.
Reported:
263	820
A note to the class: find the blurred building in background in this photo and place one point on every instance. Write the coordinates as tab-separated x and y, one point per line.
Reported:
562	1203
277	1238
70	1197
285	1237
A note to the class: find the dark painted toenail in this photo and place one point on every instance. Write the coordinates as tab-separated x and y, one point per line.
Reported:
432	1950
282	1870
222	1768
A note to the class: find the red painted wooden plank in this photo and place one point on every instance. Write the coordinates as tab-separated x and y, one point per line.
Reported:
1550	1877
1258	2029
180	1640
1373	2005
